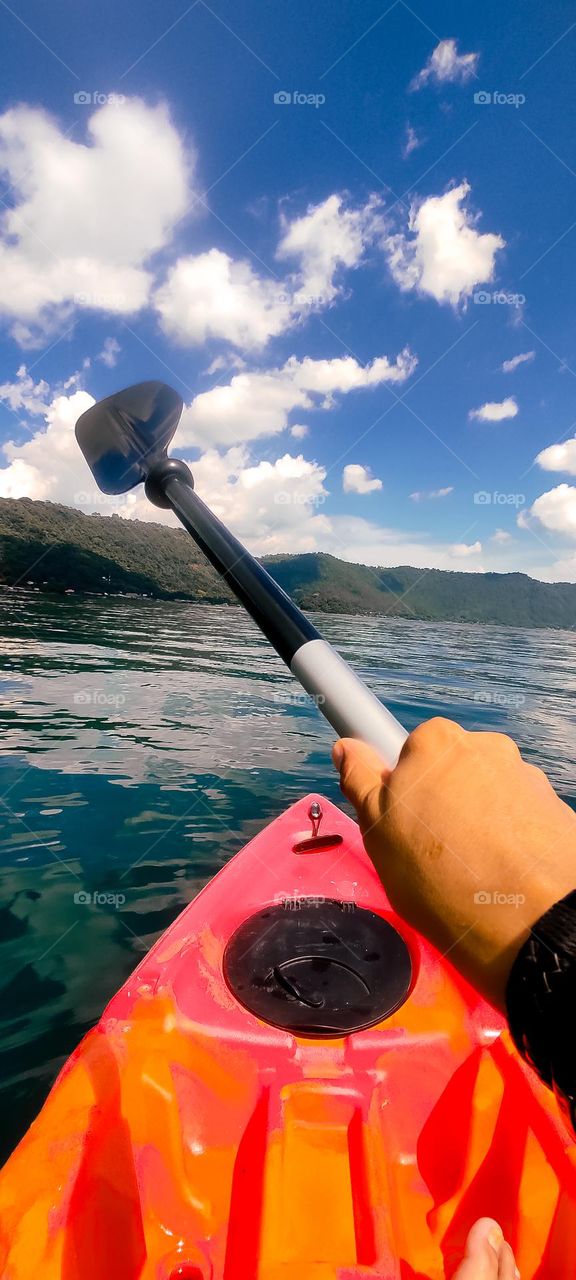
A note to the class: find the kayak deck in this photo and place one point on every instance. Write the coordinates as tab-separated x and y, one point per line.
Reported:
188	1138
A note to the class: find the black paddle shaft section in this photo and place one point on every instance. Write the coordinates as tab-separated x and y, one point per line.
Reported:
318	967
170	484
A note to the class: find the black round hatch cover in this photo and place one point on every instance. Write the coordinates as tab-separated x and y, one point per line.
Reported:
318	967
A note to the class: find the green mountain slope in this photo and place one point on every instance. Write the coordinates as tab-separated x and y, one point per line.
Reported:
46	545
54	547
513	599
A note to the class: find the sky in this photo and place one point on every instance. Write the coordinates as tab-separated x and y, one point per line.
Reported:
346	234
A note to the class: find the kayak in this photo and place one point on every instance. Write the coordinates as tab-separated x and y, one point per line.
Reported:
291	1084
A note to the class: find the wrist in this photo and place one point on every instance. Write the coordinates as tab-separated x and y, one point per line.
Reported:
540	896
541	998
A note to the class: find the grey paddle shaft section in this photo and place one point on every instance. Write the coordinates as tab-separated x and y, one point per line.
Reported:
345	701
339	694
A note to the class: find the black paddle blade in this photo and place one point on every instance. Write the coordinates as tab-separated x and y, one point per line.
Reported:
123	436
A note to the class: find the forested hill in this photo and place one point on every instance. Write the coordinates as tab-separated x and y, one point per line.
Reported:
55	548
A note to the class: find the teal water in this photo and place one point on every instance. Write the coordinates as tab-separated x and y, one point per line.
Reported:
142	743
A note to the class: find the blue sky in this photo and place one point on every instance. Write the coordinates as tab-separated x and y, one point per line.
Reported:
358	262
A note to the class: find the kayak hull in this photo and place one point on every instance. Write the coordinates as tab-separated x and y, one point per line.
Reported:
186	1137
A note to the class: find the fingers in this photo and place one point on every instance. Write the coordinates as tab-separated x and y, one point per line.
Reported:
362	771
488	1256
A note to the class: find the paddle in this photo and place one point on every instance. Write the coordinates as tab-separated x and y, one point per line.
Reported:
125	440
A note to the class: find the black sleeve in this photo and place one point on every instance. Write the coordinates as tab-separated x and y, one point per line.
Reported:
541	1002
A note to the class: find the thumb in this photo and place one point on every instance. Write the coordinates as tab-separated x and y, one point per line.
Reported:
362	772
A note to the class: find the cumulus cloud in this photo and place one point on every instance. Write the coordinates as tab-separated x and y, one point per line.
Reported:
421	495
525	357
446	66
357	479
25	394
212	295
354	538
554	510
465	549
563	570
256	497
50	462
557	457
47	463
71	237
327	238
299	431
109	353
226	361
272	505
259	404
501	536
443	254
495	410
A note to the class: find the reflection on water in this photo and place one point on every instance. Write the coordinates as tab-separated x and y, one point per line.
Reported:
143	742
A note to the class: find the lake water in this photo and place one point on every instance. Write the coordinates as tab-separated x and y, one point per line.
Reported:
142	743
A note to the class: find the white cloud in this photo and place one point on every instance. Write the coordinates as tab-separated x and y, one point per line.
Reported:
299	431
109	353
355	539
21	480
25	394
50	462
327	238
357	479
495	410
525	357
563	570
421	495
465	549
443	255
501	536
554	510
86	217
446	66
411	142
259	404
559	457
273	505
228	360
211	295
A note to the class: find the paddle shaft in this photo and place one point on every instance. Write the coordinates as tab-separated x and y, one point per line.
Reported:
344	700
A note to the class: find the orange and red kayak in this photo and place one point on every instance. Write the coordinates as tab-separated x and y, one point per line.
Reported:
291	1084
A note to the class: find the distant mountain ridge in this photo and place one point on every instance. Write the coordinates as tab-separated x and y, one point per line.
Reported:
55	548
